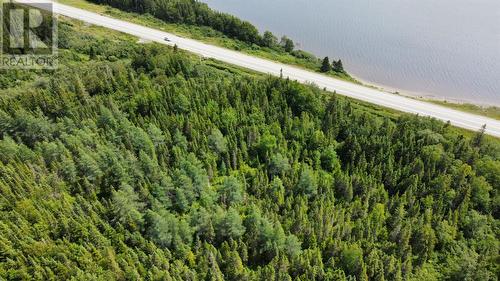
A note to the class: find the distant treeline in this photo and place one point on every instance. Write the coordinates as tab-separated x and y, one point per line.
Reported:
191	12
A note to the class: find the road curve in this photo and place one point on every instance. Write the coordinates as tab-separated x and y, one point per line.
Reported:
457	118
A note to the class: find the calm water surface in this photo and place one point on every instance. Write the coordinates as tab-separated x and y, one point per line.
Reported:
438	48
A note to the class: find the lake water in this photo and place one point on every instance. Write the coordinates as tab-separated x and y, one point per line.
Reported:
448	49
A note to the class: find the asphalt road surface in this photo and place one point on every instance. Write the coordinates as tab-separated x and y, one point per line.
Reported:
457	118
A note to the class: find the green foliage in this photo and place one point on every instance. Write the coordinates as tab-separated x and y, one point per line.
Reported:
287	44
279	165
269	40
351	260
231	191
217	142
194	13
138	162
229	225
325	65
127	207
307	184
337	66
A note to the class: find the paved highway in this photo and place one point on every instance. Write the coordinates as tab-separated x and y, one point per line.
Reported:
457	118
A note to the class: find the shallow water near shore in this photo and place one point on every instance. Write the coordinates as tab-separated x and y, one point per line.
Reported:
446	49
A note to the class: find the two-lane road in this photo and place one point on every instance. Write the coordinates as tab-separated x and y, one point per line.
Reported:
457	118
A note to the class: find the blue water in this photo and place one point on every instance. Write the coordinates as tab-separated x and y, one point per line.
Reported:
447	49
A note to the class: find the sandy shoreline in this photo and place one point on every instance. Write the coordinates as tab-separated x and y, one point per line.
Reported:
419	95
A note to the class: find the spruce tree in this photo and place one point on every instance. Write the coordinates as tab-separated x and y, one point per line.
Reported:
325	66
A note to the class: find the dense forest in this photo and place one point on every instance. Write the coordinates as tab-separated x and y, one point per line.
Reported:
141	162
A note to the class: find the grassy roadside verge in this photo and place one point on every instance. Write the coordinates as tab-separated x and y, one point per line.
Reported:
208	35
488	111
104	34
115	36
71	58
211	36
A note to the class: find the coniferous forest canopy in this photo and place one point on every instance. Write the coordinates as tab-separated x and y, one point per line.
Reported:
142	162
